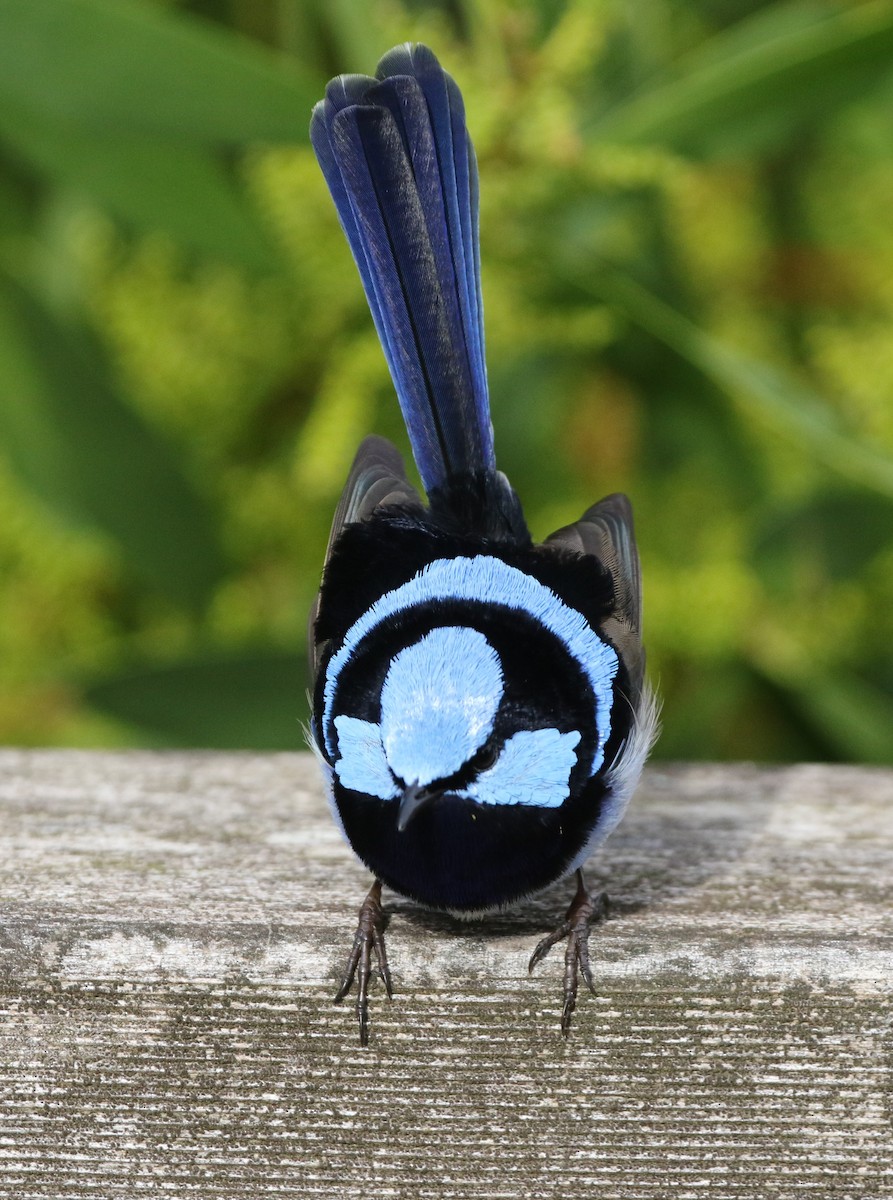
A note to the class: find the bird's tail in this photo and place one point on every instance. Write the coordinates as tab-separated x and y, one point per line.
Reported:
401	169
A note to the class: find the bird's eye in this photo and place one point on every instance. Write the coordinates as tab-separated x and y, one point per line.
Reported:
485	758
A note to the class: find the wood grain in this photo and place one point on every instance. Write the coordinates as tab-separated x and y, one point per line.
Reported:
172	929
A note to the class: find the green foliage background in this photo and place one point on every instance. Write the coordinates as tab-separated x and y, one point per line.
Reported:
688	280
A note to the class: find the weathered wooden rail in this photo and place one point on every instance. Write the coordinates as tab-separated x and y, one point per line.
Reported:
171	930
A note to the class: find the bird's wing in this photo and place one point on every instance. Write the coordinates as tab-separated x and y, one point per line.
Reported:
377	479
605	531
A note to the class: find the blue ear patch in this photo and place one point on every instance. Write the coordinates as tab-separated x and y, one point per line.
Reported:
533	769
491	582
438	703
361	764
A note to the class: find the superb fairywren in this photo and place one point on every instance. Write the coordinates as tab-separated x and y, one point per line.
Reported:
480	707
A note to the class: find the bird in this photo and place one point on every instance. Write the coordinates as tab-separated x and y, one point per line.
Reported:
480	708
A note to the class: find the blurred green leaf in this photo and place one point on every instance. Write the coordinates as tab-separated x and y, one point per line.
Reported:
758	79
713	701
854	717
86	454
355	33
148	184
134	69
787	404
253	700
15	199
840	531
145	109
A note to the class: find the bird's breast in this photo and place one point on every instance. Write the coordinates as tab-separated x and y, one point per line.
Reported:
461	856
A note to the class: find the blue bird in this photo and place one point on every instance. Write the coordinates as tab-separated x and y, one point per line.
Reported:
480	708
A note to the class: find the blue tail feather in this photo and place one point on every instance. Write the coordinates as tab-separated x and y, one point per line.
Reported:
341	92
459	174
401	169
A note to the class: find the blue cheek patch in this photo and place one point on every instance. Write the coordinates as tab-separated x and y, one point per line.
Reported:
533	769
491	582
438	703
361	764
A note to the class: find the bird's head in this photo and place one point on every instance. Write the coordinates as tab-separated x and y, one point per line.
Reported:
467	719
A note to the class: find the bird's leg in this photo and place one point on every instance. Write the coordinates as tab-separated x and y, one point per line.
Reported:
369	937
584	910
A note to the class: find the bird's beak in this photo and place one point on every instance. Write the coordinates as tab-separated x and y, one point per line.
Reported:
414	796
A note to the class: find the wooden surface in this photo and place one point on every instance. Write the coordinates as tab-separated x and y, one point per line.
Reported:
171	931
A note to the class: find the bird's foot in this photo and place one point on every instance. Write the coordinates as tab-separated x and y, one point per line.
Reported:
584	911
369	937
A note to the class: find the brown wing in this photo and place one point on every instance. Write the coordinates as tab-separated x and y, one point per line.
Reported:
377	477
606	532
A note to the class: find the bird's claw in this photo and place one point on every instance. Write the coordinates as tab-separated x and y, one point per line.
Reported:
369	937
584	911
